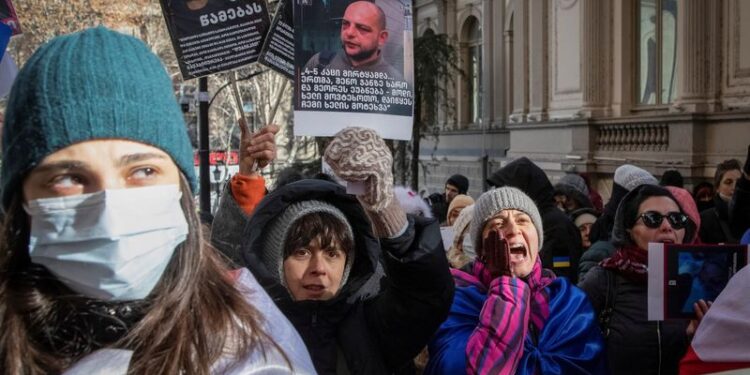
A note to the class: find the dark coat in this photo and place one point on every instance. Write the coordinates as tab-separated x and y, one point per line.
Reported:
634	344
739	212
359	334
727	222
593	256
562	239
715	223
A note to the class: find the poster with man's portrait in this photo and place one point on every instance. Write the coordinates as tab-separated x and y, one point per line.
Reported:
354	66
212	36
8	16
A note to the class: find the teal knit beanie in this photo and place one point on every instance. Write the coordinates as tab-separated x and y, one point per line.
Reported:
93	84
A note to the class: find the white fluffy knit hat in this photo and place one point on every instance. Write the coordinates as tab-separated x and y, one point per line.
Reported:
630	177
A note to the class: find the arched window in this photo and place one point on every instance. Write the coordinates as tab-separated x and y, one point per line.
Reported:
471	48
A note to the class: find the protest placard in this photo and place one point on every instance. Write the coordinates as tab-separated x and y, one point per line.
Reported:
353	67
680	275
212	36
278	50
8	16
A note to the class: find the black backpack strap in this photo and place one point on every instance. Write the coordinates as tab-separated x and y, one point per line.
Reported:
609	303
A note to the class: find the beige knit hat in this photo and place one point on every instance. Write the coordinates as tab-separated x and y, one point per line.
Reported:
460	201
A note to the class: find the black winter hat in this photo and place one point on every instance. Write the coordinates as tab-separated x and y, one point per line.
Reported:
672	177
459	181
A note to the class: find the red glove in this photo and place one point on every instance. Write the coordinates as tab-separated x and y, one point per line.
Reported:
496	254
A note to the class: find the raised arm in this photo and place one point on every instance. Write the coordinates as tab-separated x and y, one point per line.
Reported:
418	289
243	192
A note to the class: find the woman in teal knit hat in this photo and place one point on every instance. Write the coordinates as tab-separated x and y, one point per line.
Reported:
102	263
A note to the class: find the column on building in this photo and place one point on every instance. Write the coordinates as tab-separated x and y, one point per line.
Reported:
595	57
698	48
538	61
447	25
488	47
498	64
623	57
520	63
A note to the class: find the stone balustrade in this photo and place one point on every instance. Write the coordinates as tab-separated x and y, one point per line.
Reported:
633	137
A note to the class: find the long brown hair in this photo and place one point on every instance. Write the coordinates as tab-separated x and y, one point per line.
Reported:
193	316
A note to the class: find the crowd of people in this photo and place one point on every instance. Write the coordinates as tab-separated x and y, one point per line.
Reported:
106	267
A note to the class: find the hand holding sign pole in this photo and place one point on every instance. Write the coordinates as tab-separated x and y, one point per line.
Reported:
245	132
256	149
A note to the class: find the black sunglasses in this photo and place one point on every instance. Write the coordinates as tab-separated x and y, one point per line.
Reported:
653	219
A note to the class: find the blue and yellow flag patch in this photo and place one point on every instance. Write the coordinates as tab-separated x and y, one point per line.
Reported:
560	262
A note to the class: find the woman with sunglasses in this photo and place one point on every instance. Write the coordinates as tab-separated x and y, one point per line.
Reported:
617	287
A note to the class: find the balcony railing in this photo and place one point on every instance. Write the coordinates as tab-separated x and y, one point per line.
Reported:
633	137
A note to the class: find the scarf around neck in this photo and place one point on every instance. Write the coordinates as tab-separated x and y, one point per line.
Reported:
629	261
478	275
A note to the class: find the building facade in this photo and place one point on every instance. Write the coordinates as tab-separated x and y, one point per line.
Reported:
589	85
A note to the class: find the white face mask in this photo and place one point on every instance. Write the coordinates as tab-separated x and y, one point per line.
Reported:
110	245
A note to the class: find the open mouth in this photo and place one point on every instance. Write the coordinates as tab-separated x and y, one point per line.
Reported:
518	252
314	291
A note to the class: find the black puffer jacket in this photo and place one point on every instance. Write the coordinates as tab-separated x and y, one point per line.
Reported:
562	239
634	344
352	334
